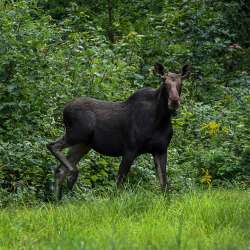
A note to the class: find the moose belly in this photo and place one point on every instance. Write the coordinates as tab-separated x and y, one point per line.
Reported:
153	145
108	143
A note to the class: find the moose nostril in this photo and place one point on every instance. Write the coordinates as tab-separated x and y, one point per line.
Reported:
175	102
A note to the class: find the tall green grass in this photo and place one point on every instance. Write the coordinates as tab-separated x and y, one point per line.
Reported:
139	219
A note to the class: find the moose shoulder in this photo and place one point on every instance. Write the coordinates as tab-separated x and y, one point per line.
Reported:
141	124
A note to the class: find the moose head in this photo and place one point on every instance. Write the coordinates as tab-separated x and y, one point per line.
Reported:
172	83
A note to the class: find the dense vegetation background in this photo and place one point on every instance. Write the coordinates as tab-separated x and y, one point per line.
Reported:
53	51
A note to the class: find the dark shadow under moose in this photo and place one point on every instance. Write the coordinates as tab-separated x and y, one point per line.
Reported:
139	125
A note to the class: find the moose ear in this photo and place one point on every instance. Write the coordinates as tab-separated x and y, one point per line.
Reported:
159	69
185	71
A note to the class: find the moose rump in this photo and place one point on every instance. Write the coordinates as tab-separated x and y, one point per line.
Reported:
97	124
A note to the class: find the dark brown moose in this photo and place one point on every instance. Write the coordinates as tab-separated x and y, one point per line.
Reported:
141	124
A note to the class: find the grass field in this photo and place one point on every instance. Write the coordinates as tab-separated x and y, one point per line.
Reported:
213	219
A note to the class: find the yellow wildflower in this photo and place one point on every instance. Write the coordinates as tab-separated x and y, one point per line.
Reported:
212	127
206	177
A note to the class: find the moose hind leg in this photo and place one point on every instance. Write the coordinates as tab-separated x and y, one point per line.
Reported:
75	153
74	156
60	175
61	171
56	147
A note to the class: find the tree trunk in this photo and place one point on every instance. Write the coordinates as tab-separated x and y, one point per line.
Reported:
110	22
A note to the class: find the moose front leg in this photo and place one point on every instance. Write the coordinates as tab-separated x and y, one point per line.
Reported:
161	168
124	168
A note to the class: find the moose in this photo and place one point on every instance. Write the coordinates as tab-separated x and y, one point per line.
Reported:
141	124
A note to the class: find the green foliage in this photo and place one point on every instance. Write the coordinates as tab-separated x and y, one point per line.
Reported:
54	51
42	67
210	136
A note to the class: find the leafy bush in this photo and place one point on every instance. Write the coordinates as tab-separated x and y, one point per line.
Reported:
40	72
50	55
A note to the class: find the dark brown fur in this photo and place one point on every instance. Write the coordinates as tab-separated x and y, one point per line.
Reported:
141	124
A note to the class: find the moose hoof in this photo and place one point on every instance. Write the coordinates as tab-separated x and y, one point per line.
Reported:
72	178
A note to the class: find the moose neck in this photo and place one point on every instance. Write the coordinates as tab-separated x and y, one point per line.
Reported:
163	112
